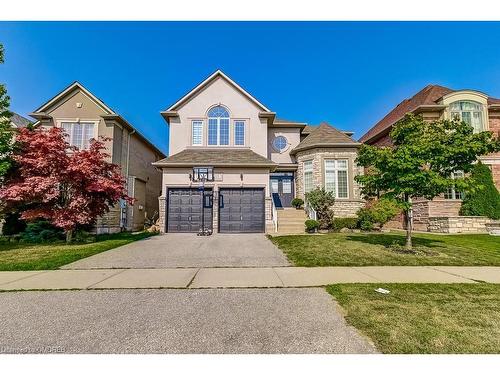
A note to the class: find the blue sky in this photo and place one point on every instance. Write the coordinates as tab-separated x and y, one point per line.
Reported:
347	73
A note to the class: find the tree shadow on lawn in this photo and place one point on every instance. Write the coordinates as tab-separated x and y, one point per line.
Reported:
387	240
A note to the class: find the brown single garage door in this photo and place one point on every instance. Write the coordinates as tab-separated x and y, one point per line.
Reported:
184	210
241	210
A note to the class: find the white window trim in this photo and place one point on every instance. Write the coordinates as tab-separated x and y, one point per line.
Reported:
96	122
453	190
336	170
234	132
304	174
483	111
218	131
192	132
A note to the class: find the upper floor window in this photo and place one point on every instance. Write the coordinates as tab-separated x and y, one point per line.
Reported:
197	132
239	133
336	178
280	143
79	134
218	126
469	112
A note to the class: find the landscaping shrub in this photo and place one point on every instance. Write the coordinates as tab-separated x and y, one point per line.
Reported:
297	202
311	225
322	201
13	224
485	200
379	212
344	222
41	231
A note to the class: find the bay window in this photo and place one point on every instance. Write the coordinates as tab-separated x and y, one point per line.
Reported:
308	176
336	177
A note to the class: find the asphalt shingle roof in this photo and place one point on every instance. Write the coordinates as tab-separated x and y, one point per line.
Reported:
216	157
324	135
19	120
429	95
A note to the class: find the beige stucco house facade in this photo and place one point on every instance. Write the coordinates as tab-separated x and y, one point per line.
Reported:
233	164
83	116
435	102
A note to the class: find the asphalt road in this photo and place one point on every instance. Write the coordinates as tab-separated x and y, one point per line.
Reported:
176	321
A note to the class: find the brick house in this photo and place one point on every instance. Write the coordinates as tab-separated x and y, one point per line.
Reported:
435	102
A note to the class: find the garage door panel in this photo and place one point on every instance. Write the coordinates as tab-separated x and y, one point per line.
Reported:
185	212
242	210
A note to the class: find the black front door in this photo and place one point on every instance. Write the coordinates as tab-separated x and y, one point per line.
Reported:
282	186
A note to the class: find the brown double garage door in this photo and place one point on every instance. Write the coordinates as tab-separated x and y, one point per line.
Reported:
241	210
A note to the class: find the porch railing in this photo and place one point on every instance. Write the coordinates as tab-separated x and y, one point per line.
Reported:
275	216
311	212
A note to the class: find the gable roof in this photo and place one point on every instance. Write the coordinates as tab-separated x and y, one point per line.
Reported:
324	135
216	157
428	96
110	114
19	121
73	87
217	74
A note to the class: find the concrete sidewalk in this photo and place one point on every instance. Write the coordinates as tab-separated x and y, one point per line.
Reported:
267	277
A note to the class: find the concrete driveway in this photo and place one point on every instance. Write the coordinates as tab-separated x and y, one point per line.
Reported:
176	321
189	250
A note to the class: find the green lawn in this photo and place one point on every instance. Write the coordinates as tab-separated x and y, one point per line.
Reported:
425	318
22	257
373	249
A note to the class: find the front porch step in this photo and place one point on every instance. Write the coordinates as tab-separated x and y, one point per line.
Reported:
291	221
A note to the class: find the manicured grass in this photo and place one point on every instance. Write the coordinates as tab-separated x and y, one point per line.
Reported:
373	249
425	318
23	257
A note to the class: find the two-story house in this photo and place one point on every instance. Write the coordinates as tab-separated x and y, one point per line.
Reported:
84	117
233	165
435	102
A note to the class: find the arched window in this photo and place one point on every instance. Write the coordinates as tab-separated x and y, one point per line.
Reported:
218	126
469	112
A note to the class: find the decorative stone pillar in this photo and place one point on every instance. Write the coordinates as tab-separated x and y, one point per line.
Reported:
161	212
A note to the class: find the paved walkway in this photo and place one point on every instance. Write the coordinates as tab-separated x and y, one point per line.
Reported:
265	277
188	250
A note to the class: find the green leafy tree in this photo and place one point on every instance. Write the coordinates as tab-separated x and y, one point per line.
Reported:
6	130
322	201
484	198
420	162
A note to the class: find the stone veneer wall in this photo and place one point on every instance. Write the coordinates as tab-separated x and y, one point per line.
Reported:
458	224
342	207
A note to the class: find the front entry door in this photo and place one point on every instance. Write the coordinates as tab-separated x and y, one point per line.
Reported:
282	185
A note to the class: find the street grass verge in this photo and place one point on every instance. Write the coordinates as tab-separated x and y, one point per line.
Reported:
15	256
375	249
424	318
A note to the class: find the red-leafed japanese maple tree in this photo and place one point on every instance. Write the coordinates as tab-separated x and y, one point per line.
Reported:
59	183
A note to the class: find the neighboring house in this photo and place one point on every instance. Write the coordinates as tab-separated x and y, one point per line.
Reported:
231	158
437	102
18	121
84	117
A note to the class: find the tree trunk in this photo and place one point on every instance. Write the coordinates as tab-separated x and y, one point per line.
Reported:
69	235
409	225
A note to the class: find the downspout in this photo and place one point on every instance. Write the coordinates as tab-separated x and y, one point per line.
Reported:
127	169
